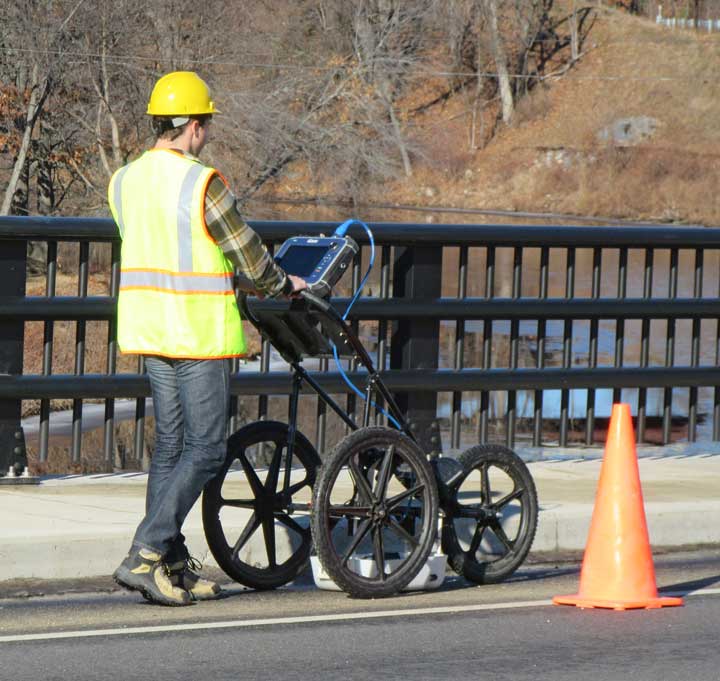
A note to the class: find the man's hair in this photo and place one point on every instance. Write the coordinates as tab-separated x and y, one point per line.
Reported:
165	127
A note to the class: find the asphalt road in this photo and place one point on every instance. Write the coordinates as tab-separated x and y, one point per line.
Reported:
508	631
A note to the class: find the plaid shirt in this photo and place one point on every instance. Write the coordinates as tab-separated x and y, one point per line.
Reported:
239	242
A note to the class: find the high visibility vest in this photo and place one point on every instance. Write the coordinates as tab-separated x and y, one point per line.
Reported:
176	295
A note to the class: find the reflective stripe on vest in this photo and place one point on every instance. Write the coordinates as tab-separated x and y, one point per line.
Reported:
184	233
176	294
178	282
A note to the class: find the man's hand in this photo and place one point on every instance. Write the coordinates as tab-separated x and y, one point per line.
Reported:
298	283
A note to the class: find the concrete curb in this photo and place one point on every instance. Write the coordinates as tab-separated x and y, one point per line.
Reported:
74	556
81	526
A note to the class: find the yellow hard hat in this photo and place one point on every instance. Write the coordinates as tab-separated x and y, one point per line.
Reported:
181	93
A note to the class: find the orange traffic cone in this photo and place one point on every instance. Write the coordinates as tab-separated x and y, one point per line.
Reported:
617	570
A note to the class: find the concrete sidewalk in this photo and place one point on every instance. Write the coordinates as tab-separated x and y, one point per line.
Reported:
81	526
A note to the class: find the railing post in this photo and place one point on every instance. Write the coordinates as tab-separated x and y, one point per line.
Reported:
417	273
13	460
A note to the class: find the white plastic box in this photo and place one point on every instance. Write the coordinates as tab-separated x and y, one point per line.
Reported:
431	575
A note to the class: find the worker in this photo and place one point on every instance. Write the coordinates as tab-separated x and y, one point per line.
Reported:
182	237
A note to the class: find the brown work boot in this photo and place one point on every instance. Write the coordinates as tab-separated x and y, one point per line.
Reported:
183	575
144	571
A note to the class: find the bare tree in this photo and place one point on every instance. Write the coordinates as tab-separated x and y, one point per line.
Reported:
335	104
497	46
30	27
330	90
39	87
388	41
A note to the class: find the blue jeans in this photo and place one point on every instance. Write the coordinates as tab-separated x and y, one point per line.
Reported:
191	399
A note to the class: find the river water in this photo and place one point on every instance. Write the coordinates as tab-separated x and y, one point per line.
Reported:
556	288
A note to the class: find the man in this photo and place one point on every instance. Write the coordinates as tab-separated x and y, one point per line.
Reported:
181	237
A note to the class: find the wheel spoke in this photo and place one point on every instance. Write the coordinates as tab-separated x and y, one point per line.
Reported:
289	522
484	484
274	469
477	538
250	474
384	474
394	502
239	503
475	511
268	524
360	480
499	532
296	487
251	526
515	494
379	551
401	532
362	531
349	511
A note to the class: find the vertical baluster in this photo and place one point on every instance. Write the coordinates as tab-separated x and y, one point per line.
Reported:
593	349
645	344
695	348
567	345
620	324
459	349
540	360
48	332
487	345
355	326
670	347
232	421
716	396
139	440
511	416
80	352
111	357
321	413
263	400
382	345
265	350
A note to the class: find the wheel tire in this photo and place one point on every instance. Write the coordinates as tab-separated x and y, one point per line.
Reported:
506	553
267	505
398	488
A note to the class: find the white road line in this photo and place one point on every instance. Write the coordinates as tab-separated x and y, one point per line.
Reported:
239	624
695	592
243	624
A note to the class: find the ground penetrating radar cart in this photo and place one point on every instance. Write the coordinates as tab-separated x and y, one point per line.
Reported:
377	509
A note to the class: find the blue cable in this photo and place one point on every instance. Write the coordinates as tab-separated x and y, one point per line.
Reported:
358	391
341	231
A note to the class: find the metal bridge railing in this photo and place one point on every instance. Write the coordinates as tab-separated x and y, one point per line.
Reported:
485	333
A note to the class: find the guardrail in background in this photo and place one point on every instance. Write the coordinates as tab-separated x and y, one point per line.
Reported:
485	332
708	25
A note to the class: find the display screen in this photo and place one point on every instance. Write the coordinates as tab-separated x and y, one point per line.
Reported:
302	260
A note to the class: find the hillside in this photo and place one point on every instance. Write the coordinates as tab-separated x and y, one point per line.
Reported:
627	132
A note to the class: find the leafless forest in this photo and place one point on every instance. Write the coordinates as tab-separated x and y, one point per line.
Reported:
334	84
332	88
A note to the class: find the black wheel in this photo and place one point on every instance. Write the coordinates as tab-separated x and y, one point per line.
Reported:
490	514
374	515
242	515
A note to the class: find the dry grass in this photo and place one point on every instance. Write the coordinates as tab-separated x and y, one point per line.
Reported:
629	67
